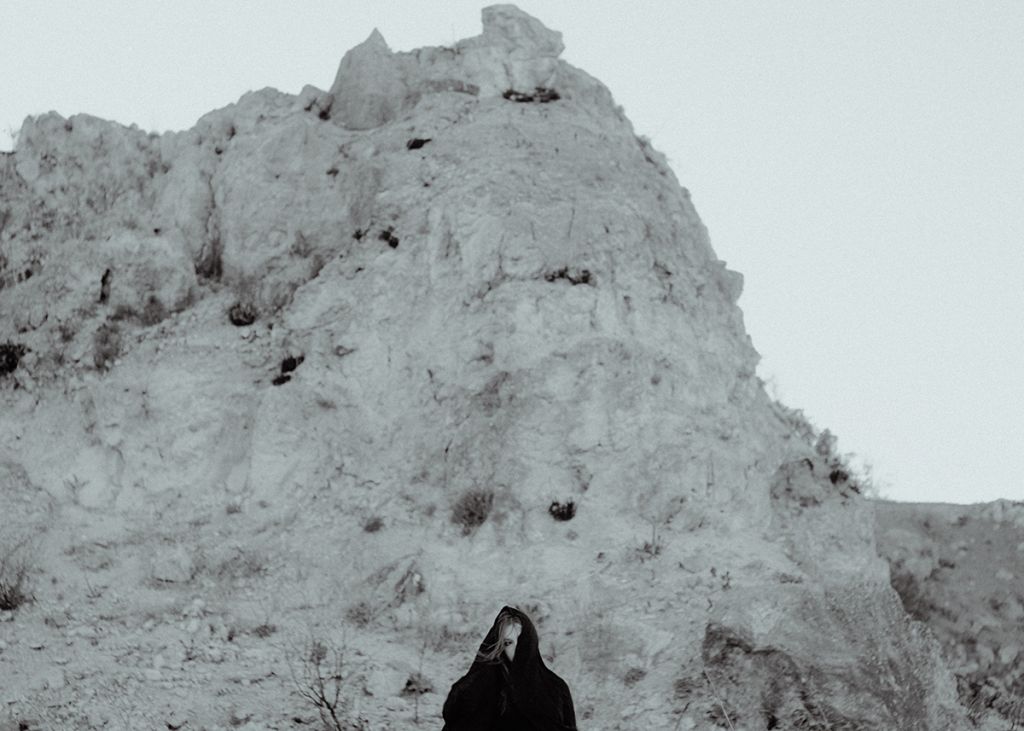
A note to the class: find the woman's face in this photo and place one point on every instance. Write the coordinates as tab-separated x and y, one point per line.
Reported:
509	637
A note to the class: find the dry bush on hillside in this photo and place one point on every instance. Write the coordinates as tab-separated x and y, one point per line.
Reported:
373	524
10	356
106	345
243	563
325	680
633	676
154	312
472	508
15	568
242	314
361	614
562	511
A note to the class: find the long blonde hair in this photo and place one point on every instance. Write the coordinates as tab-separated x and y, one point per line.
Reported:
492	652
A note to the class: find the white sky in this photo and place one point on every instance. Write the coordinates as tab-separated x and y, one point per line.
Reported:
861	163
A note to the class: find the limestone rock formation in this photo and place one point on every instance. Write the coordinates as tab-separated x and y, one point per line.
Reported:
366	364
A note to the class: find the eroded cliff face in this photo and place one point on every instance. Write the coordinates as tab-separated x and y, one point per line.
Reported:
446	336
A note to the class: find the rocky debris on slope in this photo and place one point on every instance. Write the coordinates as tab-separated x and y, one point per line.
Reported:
957	569
314	365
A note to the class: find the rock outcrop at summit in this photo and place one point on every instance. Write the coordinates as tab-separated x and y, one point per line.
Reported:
443	337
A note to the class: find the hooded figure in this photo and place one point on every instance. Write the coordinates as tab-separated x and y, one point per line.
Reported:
508	687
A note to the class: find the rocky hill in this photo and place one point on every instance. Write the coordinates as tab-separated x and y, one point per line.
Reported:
334	376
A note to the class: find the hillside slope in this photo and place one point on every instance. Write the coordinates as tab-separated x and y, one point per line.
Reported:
959	569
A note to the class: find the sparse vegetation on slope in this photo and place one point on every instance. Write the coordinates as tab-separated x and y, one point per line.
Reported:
10	355
15	575
472	508
324	678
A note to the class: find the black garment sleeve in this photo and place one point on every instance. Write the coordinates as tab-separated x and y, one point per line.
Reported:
568	712
471	702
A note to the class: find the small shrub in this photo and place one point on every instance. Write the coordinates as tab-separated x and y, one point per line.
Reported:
301	247
264	630
242	314
472	509
153	312
826	445
650	549
290	363
14	577
10	355
634	676
388	235
417	685
448	639
281	379
563	511
243	564
373	525
838	475
789	578
323	679
576	276
66	331
106	345
684	689
360	614
726	581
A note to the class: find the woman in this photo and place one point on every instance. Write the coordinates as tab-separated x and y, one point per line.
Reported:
509	688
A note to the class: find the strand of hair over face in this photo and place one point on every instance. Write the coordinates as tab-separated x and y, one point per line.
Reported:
492	653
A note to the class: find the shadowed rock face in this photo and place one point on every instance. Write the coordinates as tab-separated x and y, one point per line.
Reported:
372	369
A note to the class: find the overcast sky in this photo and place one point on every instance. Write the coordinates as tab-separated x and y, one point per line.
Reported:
861	163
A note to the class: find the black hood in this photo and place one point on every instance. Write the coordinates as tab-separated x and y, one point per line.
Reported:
523	687
527	647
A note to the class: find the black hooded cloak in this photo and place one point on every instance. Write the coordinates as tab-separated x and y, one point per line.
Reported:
503	695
